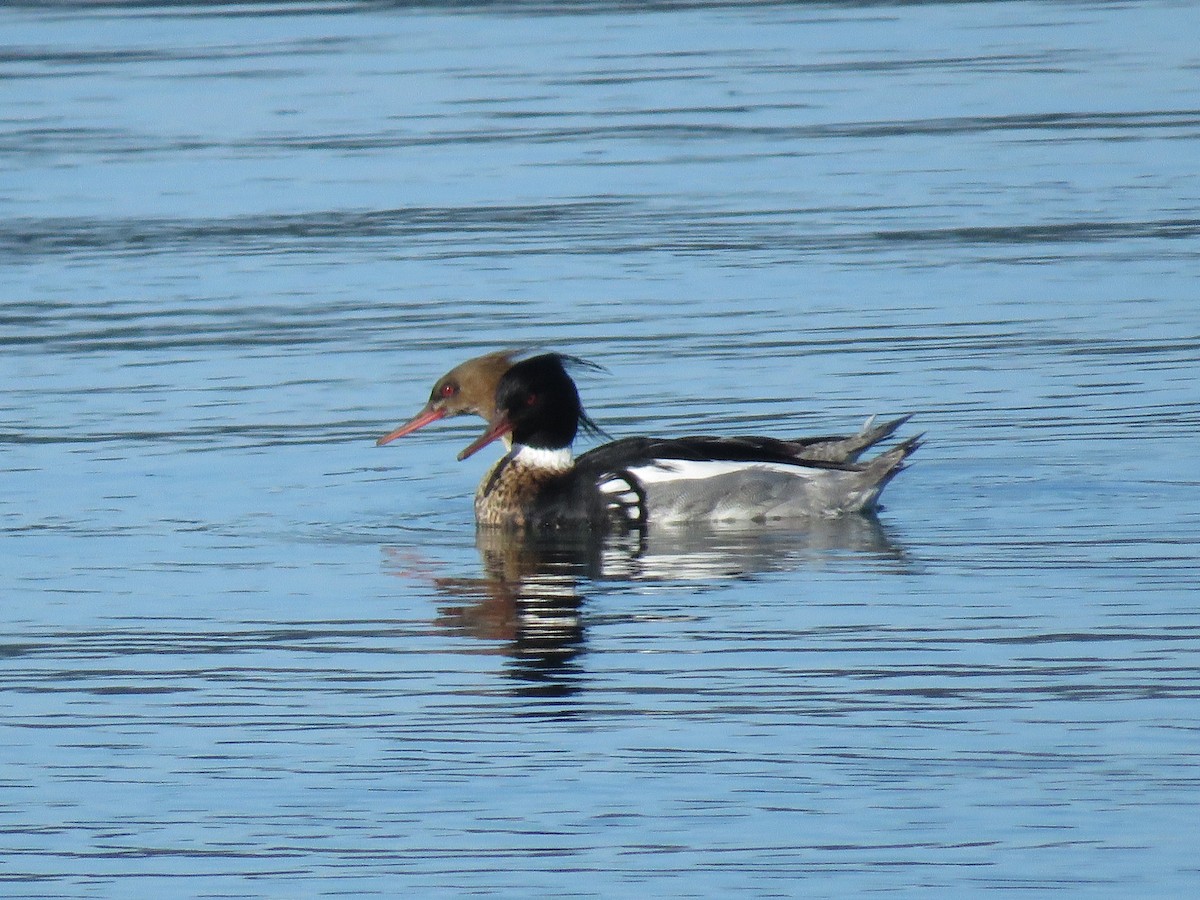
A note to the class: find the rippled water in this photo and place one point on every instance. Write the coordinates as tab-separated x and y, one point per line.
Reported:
248	653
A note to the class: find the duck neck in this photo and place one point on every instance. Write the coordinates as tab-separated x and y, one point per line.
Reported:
557	459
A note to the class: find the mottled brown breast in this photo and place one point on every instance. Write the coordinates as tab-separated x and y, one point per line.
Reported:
508	493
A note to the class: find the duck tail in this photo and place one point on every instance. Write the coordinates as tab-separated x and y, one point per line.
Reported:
883	468
848	448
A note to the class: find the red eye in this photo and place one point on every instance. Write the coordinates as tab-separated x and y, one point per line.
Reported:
449	389
531	399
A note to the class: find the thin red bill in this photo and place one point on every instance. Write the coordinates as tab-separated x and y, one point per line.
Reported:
420	420
496	429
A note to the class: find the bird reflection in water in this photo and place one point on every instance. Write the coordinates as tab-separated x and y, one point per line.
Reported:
529	602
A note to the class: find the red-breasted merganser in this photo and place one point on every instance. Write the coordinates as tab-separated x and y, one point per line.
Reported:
637	481
470	389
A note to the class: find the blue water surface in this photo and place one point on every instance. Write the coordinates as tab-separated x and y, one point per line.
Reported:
246	653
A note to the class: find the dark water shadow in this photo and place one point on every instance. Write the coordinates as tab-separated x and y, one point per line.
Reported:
529	602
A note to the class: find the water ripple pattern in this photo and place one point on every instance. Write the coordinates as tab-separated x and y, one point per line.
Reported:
245	652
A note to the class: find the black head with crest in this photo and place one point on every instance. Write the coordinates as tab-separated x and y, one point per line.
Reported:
538	404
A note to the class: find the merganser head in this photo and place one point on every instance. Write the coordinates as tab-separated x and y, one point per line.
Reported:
467	389
537	404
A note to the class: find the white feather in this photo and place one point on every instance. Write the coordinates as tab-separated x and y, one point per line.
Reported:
699	470
541	458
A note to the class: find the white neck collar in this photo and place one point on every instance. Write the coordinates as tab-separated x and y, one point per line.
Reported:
540	458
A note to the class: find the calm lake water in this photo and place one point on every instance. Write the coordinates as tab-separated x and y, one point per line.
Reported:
246	653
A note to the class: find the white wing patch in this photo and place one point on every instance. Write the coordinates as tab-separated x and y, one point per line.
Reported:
668	471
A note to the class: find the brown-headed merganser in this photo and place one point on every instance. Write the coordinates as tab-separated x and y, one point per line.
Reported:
470	389
467	389
638	481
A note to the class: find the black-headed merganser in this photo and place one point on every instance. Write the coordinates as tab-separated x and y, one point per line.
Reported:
470	389
637	481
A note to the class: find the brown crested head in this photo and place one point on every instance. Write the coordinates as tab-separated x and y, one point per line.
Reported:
467	389
470	388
